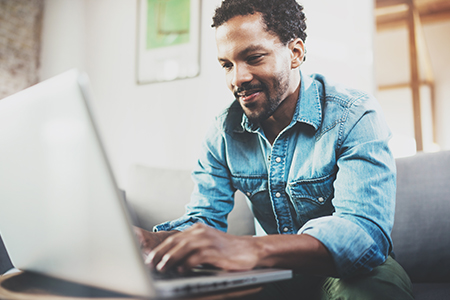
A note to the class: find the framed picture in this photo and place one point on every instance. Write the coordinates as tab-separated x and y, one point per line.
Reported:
168	45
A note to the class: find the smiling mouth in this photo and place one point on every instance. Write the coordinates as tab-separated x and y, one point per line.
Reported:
249	93
246	96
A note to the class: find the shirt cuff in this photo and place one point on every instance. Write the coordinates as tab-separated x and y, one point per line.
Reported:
179	224
353	250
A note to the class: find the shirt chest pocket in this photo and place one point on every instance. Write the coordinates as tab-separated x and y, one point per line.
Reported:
256	189
312	197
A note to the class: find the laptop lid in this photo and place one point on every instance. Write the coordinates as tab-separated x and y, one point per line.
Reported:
60	209
61	213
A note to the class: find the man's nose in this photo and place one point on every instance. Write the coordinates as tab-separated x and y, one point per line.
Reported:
241	75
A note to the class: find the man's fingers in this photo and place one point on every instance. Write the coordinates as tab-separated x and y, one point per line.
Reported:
175	255
150	240
156	254
203	256
176	250
166	248
198	245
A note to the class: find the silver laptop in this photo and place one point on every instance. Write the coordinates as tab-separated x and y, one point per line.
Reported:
61	213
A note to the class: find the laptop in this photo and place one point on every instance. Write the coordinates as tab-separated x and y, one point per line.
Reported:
61	213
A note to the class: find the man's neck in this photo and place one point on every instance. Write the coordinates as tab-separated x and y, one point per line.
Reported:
282	117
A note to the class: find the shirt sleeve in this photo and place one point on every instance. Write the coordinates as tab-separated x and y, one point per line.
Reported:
358	233
213	195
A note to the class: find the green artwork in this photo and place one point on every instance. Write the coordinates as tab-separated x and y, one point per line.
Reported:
168	23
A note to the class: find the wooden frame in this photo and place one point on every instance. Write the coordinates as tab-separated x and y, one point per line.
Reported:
409	13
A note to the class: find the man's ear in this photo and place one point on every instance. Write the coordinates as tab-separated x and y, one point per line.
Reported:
297	48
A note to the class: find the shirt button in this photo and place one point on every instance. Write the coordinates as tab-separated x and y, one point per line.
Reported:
285	229
278	195
278	159
321	199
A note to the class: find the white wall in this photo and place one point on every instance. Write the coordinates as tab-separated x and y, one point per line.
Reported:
63	37
163	124
340	41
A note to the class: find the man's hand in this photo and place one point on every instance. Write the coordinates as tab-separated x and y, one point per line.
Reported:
150	240
201	244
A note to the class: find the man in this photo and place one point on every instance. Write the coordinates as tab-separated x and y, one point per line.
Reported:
311	156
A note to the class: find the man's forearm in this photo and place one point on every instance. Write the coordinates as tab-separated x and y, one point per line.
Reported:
300	252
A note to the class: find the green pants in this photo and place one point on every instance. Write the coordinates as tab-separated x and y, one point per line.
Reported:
387	281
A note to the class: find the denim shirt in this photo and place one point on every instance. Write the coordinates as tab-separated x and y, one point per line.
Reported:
328	174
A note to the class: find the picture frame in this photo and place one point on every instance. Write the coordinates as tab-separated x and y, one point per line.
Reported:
168	42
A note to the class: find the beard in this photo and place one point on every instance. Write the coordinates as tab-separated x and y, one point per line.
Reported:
258	112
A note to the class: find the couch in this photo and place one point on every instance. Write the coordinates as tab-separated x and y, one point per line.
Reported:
421	232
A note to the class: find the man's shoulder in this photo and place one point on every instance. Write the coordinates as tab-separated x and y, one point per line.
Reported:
339	93
338	103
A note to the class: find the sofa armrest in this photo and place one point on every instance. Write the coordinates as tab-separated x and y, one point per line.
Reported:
421	229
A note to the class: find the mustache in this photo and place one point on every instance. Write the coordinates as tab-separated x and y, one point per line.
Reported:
248	87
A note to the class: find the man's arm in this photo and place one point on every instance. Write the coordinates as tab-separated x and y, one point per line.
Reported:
202	244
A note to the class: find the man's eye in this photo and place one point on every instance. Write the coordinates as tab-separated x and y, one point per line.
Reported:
255	58
227	66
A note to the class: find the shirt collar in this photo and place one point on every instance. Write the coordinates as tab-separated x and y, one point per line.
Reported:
308	109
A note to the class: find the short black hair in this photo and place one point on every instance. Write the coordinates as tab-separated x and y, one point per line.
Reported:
285	18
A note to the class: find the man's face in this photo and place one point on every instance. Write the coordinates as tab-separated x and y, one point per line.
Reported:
256	63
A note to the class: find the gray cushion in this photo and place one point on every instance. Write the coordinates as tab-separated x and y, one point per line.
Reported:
158	195
431	291
421	231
